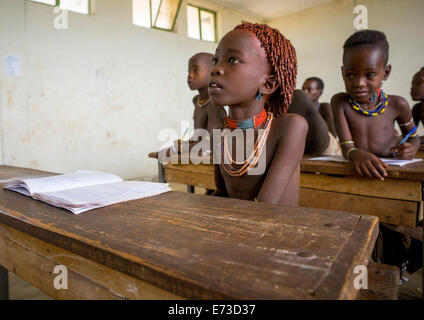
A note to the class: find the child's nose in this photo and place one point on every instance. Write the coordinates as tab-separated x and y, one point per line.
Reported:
360	82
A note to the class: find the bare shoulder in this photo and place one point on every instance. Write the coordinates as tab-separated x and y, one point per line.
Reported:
399	103
339	98
291	122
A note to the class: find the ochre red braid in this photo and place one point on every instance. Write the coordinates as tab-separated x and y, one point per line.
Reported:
283	62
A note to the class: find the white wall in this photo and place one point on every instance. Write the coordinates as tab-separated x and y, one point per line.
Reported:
94	96
319	33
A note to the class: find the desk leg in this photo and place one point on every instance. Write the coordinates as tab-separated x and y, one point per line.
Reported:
190	189
161	172
4	284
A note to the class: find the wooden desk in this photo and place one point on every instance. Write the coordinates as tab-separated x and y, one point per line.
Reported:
397	200
185	245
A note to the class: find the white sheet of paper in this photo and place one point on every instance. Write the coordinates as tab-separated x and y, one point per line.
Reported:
83	199
390	162
13	66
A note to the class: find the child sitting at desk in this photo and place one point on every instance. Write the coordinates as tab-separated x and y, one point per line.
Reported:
318	140
417	94
254	73
205	116
365	114
314	87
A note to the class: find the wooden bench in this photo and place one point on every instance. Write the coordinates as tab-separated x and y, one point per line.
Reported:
383	283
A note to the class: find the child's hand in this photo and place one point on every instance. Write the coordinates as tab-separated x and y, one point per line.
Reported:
367	164
405	151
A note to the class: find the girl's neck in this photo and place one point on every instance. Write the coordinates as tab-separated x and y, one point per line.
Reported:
244	112
203	93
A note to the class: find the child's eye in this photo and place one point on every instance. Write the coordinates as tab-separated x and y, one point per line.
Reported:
214	61
370	75
233	60
350	75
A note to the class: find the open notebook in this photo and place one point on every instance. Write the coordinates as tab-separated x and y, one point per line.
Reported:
81	191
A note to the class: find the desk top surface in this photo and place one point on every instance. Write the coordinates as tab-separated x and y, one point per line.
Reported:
413	171
205	247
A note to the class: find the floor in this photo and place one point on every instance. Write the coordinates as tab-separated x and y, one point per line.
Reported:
410	289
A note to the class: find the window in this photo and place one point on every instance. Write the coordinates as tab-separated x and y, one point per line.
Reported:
159	14
201	23
80	6
50	2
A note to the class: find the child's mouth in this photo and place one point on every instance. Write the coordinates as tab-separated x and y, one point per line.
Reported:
214	87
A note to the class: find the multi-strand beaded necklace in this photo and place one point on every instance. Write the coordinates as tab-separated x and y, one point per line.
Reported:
262	120
379	108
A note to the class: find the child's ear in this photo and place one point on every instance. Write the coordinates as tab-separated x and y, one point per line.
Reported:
387	71
270	85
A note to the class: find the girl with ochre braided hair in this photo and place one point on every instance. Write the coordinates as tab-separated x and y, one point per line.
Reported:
254	74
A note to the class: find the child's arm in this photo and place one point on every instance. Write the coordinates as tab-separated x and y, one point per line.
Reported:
286	159
325	110
364	162
408	149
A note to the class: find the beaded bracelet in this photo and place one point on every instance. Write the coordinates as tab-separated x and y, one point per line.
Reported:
349	151
347	142
406	124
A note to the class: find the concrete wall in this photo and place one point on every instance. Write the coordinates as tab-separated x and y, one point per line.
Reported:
96	95
318	34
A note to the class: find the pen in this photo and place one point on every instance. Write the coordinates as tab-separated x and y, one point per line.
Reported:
407	136
184	134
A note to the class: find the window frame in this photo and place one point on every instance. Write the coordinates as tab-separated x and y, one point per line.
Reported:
152	23
214	13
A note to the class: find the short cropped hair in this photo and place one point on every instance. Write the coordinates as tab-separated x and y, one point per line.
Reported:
318	81
369	37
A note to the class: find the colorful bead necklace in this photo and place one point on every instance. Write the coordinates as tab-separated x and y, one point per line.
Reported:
226	158
251	123
379	109
202	103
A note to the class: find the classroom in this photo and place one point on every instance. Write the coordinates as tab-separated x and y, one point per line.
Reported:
140	98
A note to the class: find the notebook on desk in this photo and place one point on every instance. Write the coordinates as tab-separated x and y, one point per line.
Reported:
82	190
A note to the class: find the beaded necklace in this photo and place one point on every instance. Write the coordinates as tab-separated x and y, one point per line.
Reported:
379	109
202	103
247	124
226	158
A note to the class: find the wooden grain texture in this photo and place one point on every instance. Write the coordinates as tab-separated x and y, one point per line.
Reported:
205	247
34	261
414	171
398	212
194	175
383	283
389	188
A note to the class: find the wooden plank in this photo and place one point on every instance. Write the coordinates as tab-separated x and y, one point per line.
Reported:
34	261
205	247
359	239
389	188
383	283
190	174
402	213
4	283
